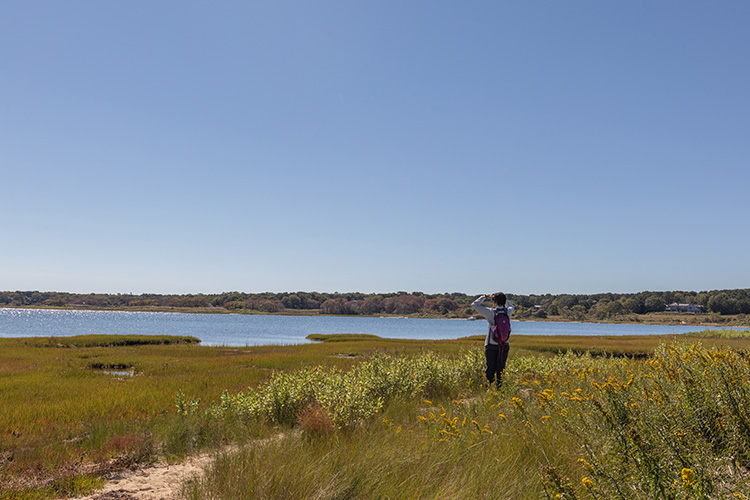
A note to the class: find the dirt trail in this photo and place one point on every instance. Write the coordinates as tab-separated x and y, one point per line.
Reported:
156	482
161	481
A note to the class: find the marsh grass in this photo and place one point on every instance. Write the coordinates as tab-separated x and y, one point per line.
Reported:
341	337
108	340
60	419
725	334
60	412
61	487
395	456
670	426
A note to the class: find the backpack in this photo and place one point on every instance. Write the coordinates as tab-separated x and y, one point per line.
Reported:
501	328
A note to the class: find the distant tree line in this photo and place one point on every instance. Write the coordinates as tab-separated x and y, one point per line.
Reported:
606	305
600	306
399	303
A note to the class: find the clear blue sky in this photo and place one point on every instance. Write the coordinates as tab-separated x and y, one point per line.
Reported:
529	147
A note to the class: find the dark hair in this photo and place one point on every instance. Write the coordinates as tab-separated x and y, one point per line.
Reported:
499	298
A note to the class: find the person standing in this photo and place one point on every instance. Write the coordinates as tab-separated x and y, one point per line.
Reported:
495	352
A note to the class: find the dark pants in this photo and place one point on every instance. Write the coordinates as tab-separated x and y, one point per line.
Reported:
496	356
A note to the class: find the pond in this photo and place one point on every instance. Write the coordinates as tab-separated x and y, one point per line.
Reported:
246	330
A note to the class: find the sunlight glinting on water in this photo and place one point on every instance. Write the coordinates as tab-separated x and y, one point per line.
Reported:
246	329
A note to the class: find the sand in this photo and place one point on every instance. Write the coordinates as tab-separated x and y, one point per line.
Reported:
161	481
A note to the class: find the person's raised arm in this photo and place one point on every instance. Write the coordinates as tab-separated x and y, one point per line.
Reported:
478	307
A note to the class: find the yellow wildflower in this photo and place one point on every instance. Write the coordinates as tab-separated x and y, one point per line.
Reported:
688	478
586	465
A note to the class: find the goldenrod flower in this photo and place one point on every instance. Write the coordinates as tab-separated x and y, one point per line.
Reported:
586	465
688	478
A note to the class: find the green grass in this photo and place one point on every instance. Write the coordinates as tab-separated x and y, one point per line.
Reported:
568	426
59	412
57	404
71	485
342	337
108	340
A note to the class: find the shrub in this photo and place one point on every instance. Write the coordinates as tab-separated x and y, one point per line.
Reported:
351	397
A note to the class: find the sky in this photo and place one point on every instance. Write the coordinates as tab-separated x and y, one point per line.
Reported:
334	146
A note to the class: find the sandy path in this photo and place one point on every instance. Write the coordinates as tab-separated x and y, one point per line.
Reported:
161	481
156	482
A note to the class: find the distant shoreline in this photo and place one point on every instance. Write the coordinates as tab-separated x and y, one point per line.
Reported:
637	319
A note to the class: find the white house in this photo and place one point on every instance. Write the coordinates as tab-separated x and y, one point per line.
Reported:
688	308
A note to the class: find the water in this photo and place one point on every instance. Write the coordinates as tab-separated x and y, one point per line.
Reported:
119	373
243	329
